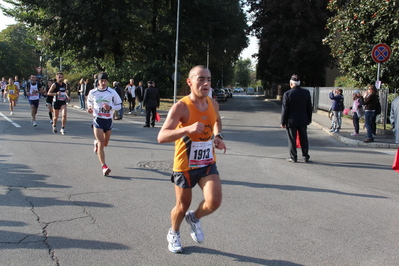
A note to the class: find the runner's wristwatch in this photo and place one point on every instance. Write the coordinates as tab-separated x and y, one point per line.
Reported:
220	135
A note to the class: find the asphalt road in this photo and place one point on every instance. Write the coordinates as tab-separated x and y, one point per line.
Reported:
57	208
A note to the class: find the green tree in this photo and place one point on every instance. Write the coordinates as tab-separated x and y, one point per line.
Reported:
290	37
242	72
18	55
136	39
356	27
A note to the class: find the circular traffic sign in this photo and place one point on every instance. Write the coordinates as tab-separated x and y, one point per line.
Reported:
381	53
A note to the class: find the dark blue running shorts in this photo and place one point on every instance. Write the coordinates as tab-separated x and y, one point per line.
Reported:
104	124
34	103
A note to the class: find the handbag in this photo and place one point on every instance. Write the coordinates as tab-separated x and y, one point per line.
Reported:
157	117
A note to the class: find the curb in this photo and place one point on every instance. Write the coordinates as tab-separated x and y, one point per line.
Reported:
356	142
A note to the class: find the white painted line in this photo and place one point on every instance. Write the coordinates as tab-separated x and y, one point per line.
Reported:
389	152
9	120
137	122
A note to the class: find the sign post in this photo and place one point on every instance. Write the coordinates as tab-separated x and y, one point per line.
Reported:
380	54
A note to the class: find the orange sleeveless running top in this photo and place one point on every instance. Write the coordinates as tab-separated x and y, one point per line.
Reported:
196	150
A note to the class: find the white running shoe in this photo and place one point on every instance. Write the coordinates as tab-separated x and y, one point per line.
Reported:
51	121
62	131
174	242
106	170
54	130
95	147
34	123
11	113
196	231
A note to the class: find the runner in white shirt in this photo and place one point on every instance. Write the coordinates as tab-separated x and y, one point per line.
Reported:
33	89
102	102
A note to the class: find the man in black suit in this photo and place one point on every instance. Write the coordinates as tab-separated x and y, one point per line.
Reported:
296	115
151	101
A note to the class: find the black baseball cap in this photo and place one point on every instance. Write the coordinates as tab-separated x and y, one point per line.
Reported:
295	78
102	75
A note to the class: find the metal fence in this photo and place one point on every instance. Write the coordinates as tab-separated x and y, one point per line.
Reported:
323	101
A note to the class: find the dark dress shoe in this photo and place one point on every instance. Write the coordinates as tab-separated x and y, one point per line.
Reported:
146	126
368	140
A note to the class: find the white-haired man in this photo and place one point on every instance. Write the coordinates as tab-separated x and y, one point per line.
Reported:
296	115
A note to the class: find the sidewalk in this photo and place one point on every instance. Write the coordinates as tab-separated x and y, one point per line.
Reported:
383	139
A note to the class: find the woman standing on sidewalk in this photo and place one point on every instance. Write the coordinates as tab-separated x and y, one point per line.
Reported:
370	102
357	110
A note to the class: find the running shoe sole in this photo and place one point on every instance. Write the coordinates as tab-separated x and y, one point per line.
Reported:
106	172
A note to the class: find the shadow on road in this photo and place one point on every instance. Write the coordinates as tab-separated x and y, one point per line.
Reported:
237	257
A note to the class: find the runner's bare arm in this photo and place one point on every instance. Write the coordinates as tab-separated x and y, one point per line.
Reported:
177	114
50	91
219	143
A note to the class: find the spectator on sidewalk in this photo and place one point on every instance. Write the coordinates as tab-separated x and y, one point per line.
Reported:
140	95
131	96
337	108
370	102
357	110
394	118
81	93
118	115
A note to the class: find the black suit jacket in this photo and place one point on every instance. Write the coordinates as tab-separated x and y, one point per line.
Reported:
151	97
296	108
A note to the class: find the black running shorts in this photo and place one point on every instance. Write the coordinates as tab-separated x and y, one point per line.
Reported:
190	178
57	105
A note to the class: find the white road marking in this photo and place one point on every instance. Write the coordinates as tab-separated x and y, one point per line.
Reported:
389	152
9	120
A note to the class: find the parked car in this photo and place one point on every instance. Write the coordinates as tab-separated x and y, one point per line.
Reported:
238	90
229	92
250	90
221	95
